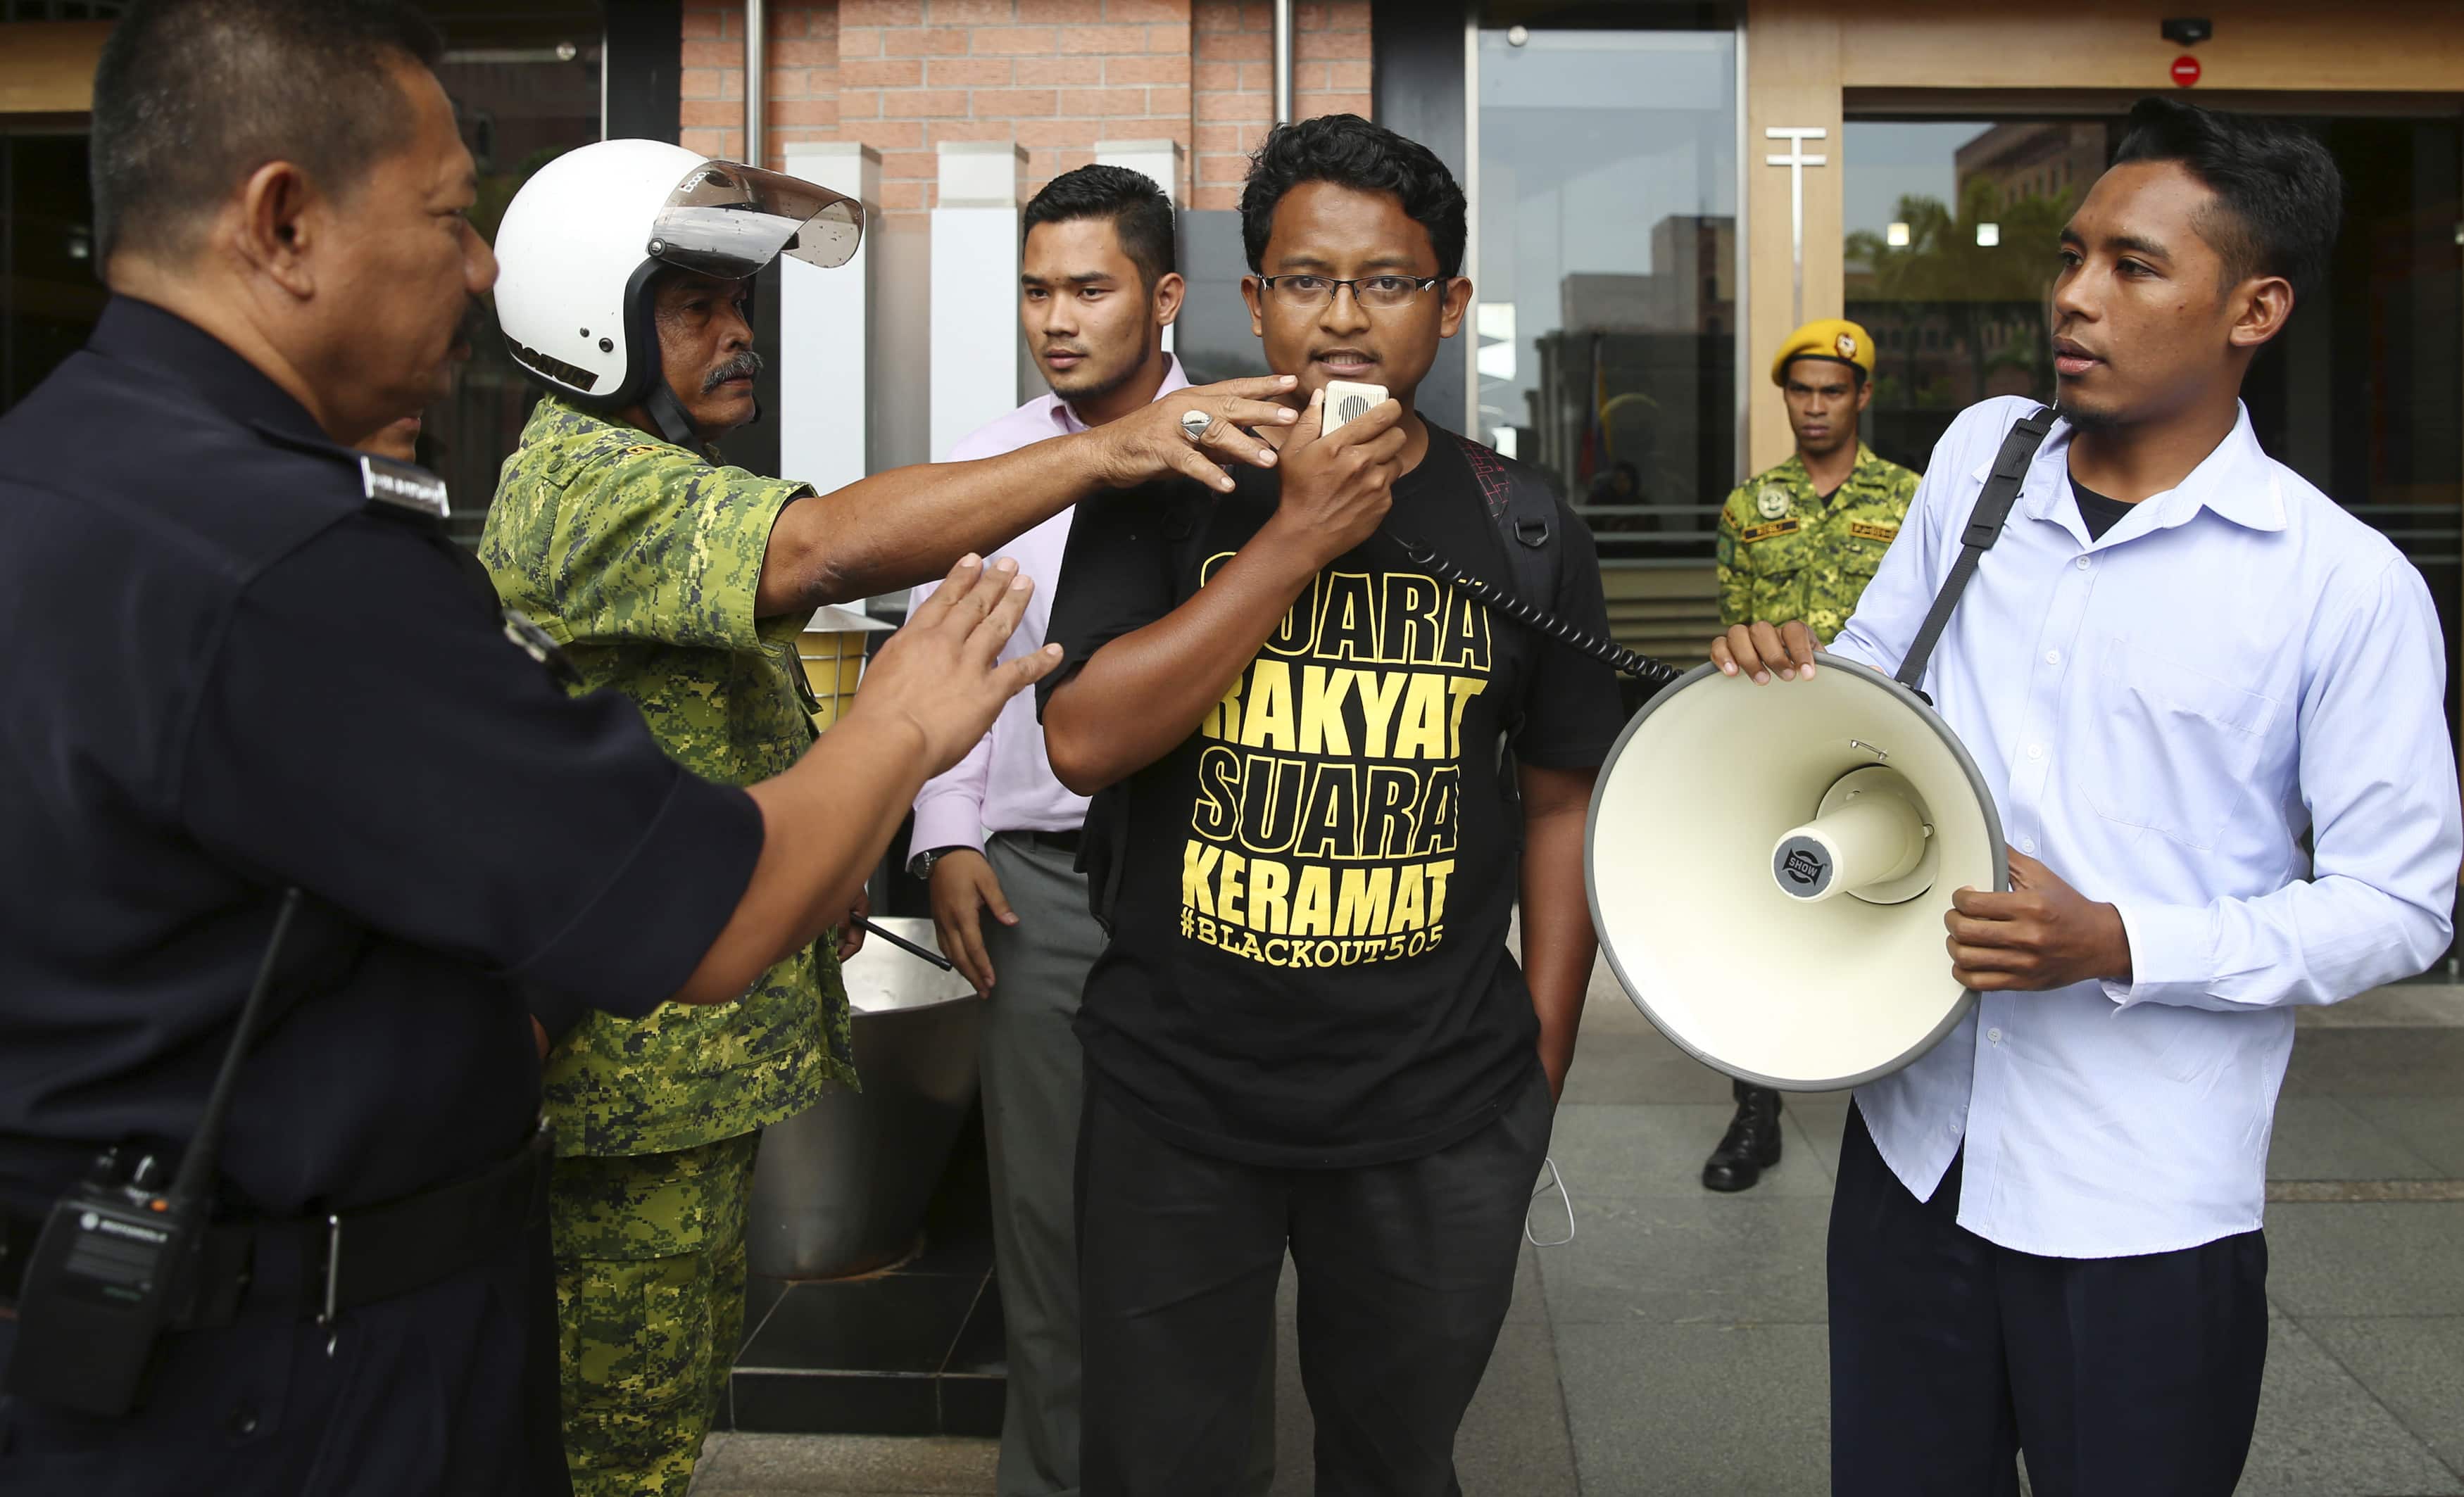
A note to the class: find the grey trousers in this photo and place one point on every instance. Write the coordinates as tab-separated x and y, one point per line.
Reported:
1032	1080
1032	1084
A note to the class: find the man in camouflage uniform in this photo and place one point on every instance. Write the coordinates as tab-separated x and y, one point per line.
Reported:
684	584
1800	541
644	559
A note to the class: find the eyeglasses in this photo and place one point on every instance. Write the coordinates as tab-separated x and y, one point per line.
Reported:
1377	293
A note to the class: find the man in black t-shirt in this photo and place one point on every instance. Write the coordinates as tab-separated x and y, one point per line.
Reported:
1306	1031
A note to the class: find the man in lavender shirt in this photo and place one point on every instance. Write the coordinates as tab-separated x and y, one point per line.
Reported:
998	834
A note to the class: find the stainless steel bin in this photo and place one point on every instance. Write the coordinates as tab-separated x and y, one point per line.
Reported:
841	1188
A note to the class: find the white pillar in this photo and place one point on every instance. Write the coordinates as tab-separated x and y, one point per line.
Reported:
826	348
975	288
1159	160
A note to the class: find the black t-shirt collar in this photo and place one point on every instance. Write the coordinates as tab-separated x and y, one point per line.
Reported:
2098	511
141	333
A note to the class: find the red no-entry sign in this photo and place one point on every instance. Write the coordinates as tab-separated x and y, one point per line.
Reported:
2186	69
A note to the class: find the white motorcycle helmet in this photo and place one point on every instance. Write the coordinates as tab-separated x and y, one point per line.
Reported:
582	240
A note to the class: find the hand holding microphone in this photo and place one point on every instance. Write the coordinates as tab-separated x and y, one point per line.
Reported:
1339	473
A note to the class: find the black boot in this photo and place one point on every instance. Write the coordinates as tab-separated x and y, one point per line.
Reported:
1751	1145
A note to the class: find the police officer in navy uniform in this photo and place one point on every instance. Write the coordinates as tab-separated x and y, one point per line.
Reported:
243	658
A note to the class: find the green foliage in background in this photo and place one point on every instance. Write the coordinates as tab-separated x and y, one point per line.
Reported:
1941	278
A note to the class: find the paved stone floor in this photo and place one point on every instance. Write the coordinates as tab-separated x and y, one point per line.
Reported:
1633	1354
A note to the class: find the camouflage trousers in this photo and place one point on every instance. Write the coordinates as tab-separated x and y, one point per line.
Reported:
650	1299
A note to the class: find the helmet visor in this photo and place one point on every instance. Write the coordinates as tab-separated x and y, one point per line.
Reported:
730	220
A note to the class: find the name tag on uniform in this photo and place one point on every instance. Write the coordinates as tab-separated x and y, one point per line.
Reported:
1864	532
1777	527
405	484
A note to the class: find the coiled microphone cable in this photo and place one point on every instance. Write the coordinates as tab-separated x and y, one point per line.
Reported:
1657	675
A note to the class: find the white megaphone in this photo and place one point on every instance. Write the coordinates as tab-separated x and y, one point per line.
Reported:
1769	868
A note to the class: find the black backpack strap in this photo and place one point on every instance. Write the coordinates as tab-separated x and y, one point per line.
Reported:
1524	509
1984	527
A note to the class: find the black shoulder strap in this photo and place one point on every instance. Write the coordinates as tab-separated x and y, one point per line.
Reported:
1524	510
1984	527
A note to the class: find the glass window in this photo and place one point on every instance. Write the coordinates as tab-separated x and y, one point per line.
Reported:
50	295
525	88
1951	231
1949	253
1607	286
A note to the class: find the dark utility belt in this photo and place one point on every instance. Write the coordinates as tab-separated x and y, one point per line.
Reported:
354	1258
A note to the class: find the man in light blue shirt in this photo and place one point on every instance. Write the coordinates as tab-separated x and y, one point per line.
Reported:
2179	661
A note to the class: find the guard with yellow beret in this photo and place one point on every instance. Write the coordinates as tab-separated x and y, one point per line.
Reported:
1800	541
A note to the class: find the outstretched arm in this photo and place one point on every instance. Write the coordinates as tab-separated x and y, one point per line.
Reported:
896	529
926	698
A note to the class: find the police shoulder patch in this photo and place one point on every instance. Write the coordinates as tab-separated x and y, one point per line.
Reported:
405	484
1865	532
1777	527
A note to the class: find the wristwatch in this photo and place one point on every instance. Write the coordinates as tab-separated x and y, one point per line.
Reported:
921	863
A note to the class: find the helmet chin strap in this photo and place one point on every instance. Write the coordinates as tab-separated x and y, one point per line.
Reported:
668	415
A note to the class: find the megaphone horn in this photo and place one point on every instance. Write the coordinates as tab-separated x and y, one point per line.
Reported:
1769	866
1869	839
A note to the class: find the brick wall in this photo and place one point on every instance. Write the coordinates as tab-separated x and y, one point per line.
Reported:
1053	75
1232	80
804	66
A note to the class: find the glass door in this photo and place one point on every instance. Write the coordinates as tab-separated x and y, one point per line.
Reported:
1606	280
1951	228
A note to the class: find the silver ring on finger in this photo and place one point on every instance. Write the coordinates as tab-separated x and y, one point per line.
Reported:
1195	425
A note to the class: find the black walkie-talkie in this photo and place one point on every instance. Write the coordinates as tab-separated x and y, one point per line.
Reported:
116	1261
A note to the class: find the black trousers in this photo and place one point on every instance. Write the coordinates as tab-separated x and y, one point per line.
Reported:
449	1391
2118	1377
1405	1271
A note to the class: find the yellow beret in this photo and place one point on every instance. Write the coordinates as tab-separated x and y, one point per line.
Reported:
1829	338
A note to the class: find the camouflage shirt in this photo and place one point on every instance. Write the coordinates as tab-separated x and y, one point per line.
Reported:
643	558
1785	554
